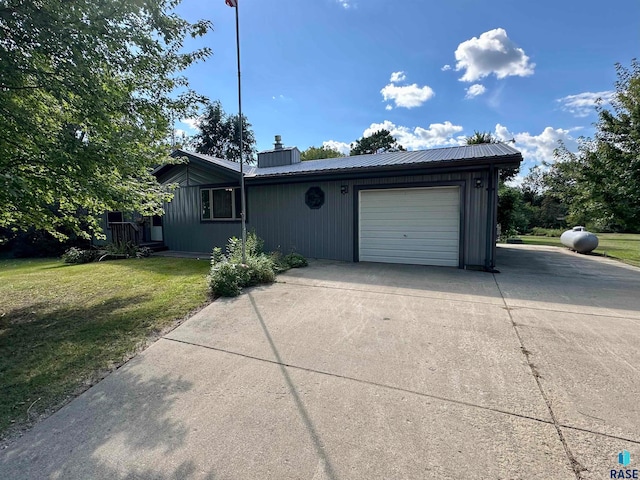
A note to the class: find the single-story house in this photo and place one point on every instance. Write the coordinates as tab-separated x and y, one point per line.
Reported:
430	207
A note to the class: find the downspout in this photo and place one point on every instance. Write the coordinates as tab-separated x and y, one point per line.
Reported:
489	261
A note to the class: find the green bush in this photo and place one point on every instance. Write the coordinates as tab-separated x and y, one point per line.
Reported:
76	255
295	260
259	269
128	248
546	232
226	279
254	247
229	275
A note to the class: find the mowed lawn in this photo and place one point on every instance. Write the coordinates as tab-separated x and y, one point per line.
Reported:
62	327
621	246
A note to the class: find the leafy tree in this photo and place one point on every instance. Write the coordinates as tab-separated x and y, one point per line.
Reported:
513	215
219	135
545	207
601	182
377	142
87	93
317	153
481	137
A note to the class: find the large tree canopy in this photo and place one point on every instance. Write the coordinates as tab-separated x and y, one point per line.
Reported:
87	93
601	182
219	135
377	142
318	153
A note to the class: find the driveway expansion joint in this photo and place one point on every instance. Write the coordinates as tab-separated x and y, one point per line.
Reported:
386	293
365	382
576	466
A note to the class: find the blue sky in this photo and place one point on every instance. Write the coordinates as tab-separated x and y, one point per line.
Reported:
328	71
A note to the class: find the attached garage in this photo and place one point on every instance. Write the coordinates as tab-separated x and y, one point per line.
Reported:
410	225
429	207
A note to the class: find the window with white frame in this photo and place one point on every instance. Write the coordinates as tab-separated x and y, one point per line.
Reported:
220	203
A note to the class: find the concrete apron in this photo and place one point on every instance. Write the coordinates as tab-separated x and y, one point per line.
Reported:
367	371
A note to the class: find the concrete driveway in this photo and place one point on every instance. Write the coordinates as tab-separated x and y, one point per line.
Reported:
348	371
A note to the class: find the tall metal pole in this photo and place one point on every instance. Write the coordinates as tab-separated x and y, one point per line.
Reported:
240	125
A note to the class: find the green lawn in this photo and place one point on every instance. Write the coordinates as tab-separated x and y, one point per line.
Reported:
621	246
62	327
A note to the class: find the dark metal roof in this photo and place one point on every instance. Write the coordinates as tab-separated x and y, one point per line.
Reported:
466	154
235	166
461	155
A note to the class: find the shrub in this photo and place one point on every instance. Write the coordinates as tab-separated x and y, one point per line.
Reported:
144	252
279	263
254	247
229	275
259	270
76	255
546	232
225	279
128	249
295	260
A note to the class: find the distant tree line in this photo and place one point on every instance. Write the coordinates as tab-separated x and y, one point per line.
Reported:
598	186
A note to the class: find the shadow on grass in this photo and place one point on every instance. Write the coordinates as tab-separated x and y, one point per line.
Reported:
49	352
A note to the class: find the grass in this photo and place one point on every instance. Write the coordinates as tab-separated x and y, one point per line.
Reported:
621	246
63	327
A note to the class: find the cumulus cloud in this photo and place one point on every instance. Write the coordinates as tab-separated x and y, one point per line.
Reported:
475	90
345	3
342	147
406	96
492	53
537	148
437	135
445	68
192	123
582	104
397	77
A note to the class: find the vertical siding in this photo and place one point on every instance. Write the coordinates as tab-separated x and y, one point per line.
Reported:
191	174
183	229
280	216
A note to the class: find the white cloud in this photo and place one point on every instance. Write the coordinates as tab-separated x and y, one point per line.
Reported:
475	90
445	68
388	107
582	104
192	123
407	96
345	3
492	52
418	138
342	147
397	77
537	148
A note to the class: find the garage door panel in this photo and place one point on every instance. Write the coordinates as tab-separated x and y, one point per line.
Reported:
415	226
410	244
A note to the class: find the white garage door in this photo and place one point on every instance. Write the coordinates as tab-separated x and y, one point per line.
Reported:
410	225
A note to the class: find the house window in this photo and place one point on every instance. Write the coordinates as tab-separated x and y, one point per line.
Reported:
220	203
114	217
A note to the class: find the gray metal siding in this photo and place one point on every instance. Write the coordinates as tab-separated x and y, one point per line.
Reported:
183	230
280	216
190	175
276	158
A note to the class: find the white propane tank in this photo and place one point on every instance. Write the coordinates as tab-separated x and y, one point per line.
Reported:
579	239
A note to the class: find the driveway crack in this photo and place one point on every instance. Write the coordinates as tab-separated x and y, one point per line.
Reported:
576	466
